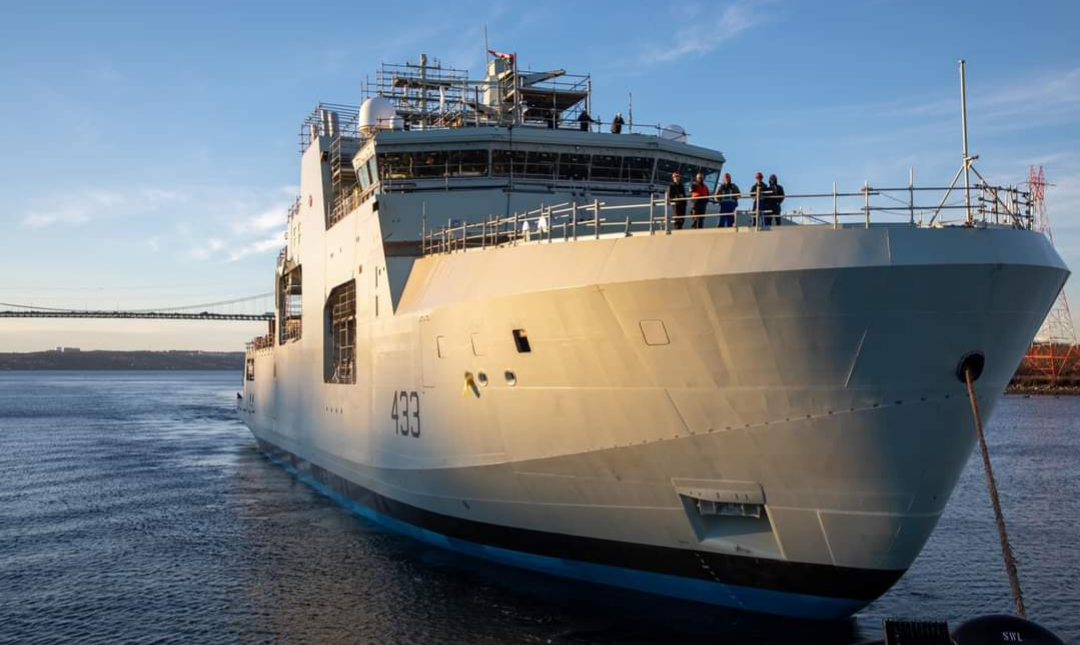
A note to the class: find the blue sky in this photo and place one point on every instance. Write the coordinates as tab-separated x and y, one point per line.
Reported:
151	148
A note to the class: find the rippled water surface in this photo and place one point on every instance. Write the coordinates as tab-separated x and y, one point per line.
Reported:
135	508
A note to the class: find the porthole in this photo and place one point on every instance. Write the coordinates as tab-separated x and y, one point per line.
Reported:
482	379
511	378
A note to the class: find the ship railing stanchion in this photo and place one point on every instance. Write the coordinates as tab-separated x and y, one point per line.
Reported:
573	214
596	218
667	214
513	236
835	222
757	210
652	220
911	194
866	202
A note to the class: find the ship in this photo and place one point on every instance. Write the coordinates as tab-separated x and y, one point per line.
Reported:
497	332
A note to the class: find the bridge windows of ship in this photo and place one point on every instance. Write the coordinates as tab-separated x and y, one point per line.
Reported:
339	350
553	163
432	164
290	305
249	369
687	171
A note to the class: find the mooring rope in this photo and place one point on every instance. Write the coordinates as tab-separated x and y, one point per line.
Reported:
1006	550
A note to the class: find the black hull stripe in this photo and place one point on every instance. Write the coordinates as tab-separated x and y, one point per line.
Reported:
762	573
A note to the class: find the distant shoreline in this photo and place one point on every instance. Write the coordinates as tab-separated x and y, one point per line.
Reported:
108	360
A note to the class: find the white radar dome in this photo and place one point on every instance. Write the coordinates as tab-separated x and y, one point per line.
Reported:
377	113
674	133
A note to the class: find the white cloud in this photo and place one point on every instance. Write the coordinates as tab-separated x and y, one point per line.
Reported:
265	221
1039	99
251	227
81	206
43	219
211	247
703	35
261	246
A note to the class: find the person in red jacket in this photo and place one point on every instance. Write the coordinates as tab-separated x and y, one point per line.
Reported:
700	193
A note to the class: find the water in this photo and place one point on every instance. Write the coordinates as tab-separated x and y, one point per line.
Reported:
135	508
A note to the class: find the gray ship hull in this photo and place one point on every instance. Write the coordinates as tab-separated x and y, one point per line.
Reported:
766	420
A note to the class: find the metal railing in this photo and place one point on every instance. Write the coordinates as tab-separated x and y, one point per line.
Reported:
659	215
260	342
562	122
331	120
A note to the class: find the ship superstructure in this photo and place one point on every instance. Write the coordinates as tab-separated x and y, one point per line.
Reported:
494	334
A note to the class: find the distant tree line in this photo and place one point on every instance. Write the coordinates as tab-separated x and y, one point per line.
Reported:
122	360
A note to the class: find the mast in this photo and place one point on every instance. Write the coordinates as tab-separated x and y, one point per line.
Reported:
423	92
964	135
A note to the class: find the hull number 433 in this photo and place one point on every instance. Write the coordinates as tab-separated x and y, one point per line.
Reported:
406	413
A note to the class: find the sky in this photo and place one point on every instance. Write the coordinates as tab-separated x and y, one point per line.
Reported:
151	147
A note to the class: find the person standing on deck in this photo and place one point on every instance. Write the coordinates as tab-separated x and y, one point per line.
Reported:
617	123
700	192
677	191
727	194
584	120
759	193
773	201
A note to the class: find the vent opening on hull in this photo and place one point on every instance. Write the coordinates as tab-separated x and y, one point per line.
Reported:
290	306
521	341
729	516
339	355
733	509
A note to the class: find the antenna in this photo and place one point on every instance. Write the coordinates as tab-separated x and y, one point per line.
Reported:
965	164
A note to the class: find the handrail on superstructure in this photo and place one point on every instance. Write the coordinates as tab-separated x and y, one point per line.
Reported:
570	221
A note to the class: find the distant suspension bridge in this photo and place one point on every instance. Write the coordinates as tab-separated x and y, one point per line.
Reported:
249	308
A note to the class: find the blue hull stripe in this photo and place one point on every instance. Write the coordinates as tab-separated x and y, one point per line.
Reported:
734	596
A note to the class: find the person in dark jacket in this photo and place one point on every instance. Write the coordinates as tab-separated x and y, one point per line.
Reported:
676	190
584	121
759	193
700	193
617	123
727	194
773	202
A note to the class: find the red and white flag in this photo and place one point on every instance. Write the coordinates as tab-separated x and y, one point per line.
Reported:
500	54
